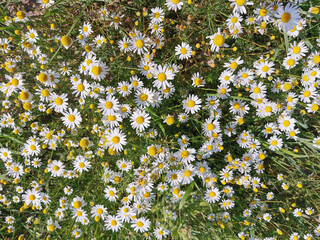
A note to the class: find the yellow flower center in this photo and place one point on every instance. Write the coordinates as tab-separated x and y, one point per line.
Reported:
32	197
65	41
84	143
307	93
115	139
256	90
113	222
233	65
140	120
139	43
143	97
285	17
183	50
96	70
290	62
108	105
240	2
140	224
218	40
187	173
265	69
191	103
162	77
15	82
184	154
77	204
263	12
15	169
212	194
58	101
45	93
80	87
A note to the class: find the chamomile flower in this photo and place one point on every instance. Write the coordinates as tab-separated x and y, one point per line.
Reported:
125	45
297	51
140	43
162	74
116	139
287	17
141	224
45	3
157	15
32	36
275	143
99	212
86	29
113	223
31	197
15	170
174	5
58	102
192	104
212	195
140	120
80	164
264	68
109	106
217	41
240	5
98	70
183	51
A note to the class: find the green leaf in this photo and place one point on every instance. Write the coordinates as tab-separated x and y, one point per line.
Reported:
186	195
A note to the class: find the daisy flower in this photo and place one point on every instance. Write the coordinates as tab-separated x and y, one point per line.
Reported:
125	45
31	197
240	5
264	68
98	70
109	106
140	120
217	41
86	29
110	194
22	16
184	51
113	223
104	13
58	102
232	64
116	139
15	170
157	15
141	224
81	89
174	5
297	51
275	143
32	36
56	168
80	164
45	3
162	74
124	88
192	104
140	43
144	97
116	20
287	17
197	80
212	195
